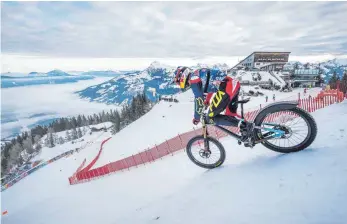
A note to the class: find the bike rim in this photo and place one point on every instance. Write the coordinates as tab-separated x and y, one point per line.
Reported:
297	127
197	152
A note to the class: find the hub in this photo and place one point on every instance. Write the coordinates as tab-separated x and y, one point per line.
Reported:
287	131
205	154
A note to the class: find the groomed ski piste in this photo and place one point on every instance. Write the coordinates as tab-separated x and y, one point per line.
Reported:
253	185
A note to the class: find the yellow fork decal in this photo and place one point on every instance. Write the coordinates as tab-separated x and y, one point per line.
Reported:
200	105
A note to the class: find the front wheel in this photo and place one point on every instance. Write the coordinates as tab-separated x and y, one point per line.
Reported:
208	153
299	127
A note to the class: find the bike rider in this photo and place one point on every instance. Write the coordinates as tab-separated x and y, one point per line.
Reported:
218	100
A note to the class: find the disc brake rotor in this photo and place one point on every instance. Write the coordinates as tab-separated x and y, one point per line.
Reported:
204	154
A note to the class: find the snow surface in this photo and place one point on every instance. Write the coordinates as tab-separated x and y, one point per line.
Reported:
253	186
265	76
88	140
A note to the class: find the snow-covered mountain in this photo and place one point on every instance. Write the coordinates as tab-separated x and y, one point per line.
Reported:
156	78
50	73
106	73
33	74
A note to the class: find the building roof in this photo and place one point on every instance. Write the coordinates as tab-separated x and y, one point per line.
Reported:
257	52
282	52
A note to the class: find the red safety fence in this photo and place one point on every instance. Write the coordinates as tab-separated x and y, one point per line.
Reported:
91	164
80	170
175	144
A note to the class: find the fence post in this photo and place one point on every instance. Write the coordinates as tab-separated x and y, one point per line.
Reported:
168	147
149	159
305	103
156	147
151	154
330	100
215	130
134	160
142	159
181	142
126	164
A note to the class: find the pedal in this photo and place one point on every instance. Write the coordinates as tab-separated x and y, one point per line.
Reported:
247	145
250	143
239	142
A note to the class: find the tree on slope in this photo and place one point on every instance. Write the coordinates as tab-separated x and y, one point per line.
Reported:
61	140
115	123
68	135
79	133
49	142
333	81
74	134
343	85
14	157
28	146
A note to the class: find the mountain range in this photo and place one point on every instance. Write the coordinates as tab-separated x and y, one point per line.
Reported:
156	78
328	67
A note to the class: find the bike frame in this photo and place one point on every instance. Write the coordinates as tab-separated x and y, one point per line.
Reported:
276	133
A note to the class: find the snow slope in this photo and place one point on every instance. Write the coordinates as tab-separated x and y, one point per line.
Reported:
48	153
253	186
265	187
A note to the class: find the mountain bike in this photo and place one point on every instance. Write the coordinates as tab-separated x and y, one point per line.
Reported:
282	127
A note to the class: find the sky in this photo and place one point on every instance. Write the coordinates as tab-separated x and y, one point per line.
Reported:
118	35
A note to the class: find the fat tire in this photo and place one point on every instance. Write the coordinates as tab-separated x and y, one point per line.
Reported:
203	165
303	145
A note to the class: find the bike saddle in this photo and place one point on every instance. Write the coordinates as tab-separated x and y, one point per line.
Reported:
243	101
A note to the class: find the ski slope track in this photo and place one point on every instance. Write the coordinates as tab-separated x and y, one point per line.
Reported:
253	186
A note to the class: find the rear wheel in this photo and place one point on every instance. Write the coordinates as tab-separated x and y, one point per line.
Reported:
208	153
299	127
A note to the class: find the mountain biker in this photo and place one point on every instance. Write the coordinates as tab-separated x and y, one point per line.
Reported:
218	100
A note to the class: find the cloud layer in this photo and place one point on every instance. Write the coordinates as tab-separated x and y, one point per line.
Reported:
172	29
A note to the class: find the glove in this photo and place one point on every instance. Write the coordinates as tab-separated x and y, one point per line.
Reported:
195	122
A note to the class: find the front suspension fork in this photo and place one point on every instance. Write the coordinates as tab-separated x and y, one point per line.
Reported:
205	134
